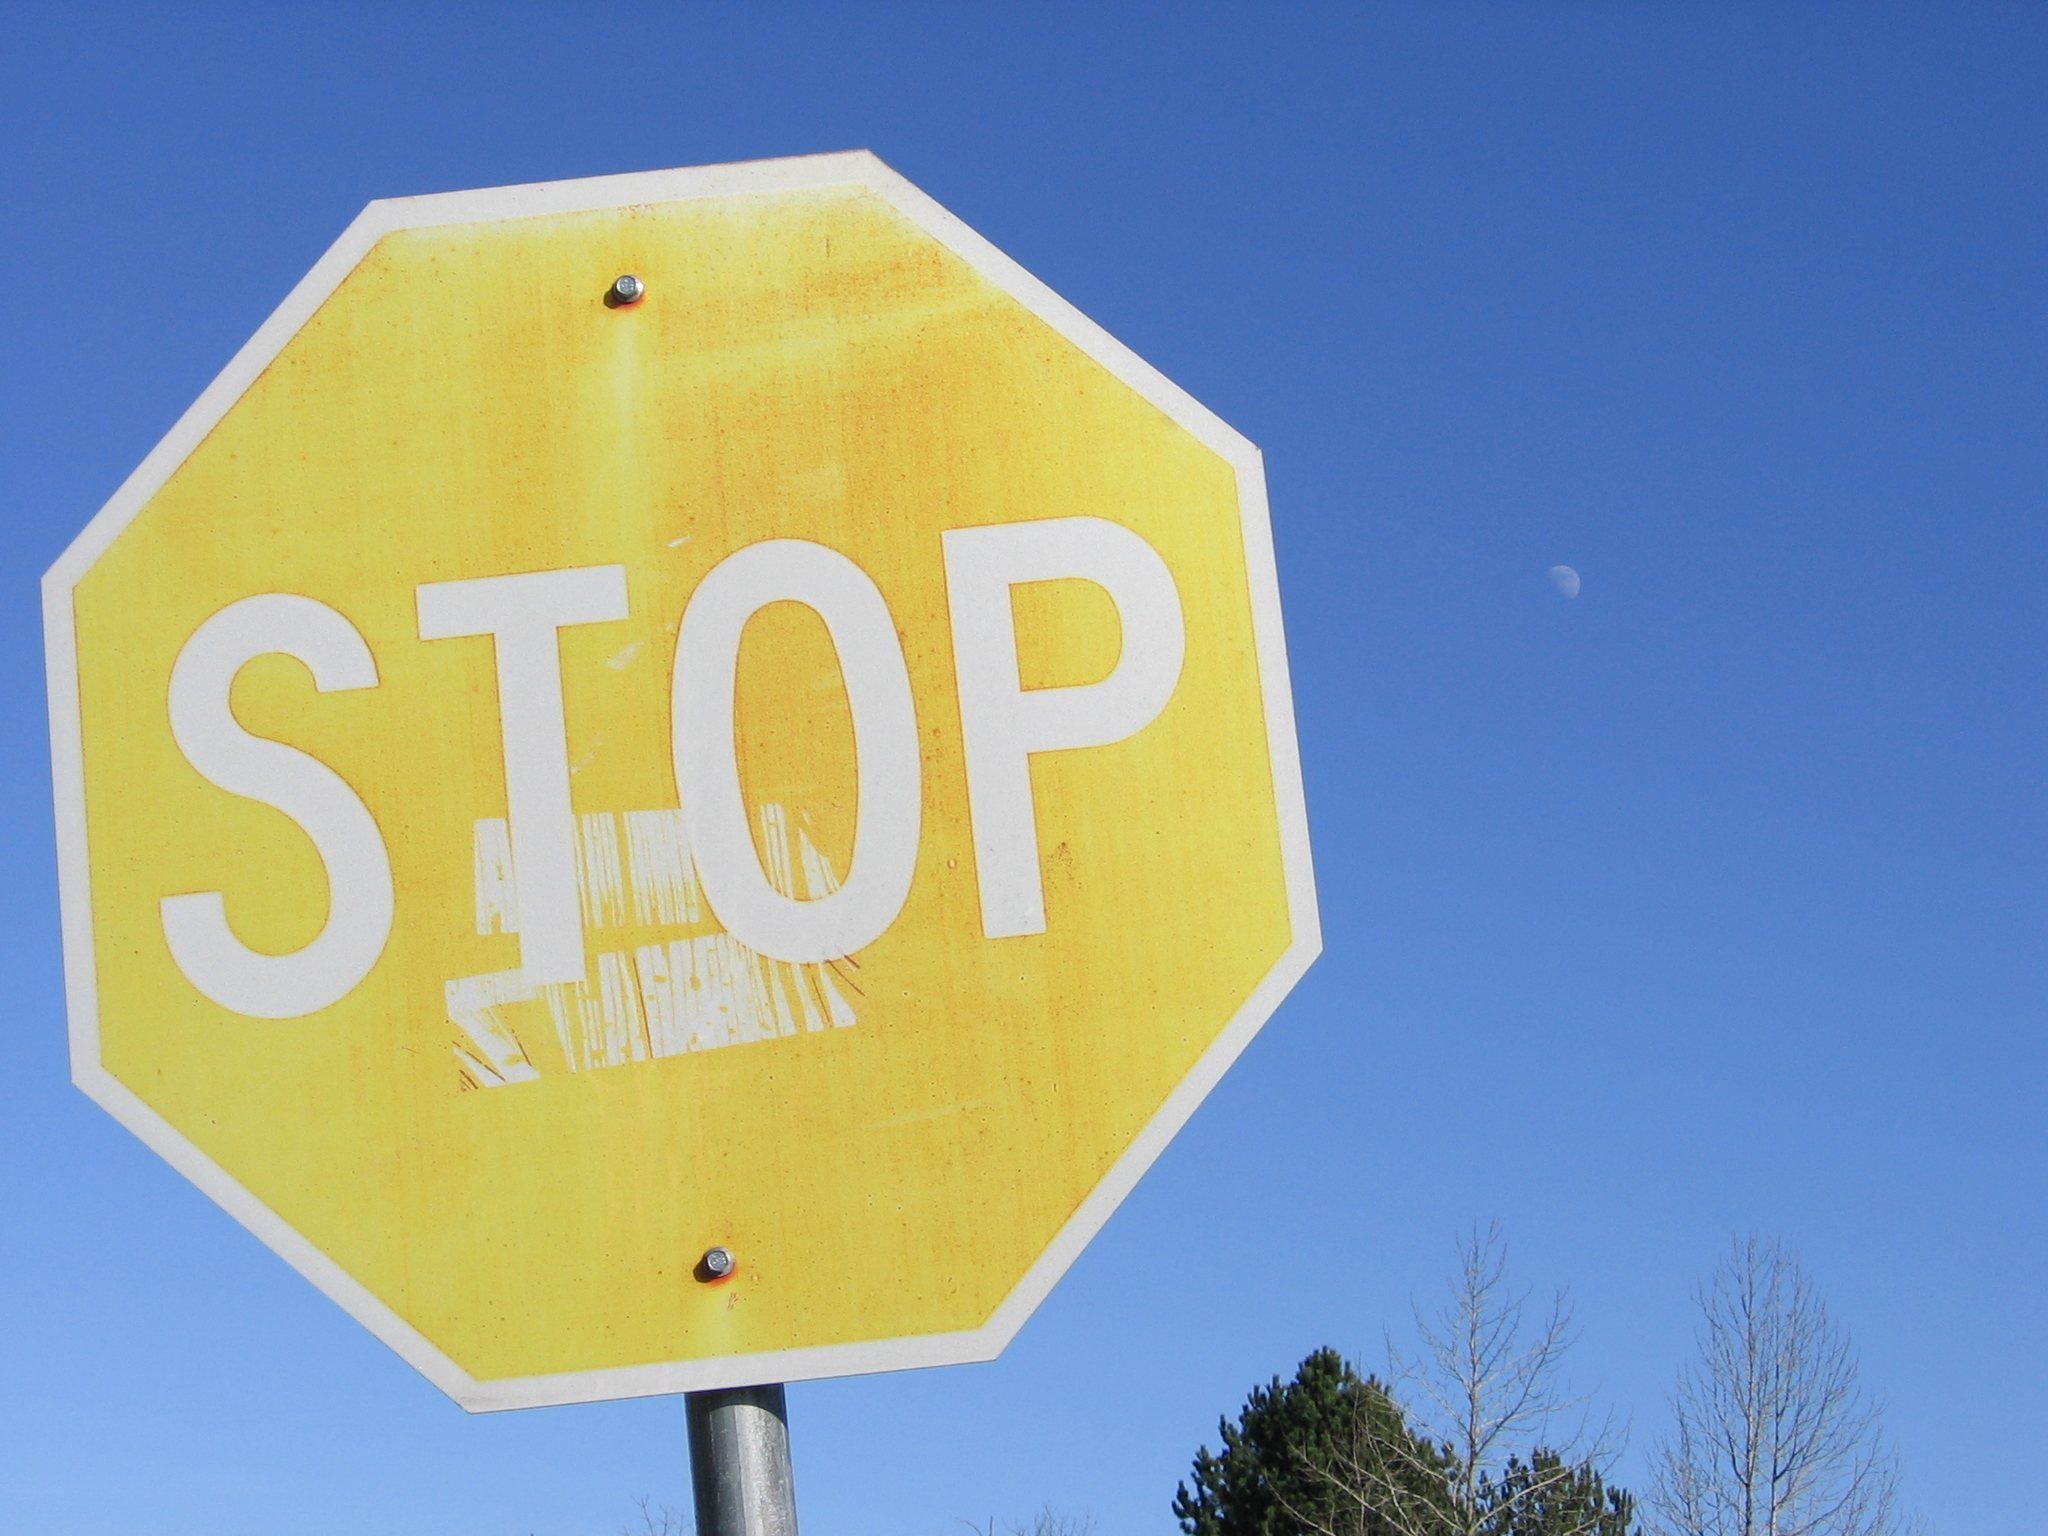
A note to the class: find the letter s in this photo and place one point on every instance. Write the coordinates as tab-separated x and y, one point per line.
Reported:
303	788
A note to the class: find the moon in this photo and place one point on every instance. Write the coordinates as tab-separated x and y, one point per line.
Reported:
1565	579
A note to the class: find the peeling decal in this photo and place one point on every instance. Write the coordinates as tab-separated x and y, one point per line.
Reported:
687	992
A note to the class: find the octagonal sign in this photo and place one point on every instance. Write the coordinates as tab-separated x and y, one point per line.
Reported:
673	713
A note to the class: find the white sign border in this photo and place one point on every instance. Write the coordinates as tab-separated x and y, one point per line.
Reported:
853	169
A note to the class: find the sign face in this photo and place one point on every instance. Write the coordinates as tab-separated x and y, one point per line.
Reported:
556	775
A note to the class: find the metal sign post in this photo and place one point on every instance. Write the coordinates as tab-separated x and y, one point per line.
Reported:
739	1462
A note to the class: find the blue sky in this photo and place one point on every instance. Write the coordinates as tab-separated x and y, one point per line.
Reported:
1711	900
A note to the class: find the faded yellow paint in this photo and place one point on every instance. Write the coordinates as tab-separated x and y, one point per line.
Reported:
805	365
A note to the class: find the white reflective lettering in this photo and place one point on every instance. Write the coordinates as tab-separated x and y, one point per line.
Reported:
1002	723
302	787
888	809
524	614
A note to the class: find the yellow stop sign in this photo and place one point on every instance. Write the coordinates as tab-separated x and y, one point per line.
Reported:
675	781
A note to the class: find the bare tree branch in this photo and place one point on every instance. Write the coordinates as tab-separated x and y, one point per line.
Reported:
1772	1434
1501	1438
1047	1522
657	1522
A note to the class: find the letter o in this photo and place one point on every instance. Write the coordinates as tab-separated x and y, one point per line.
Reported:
889	804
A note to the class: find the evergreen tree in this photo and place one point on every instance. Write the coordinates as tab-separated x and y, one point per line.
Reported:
1331	1453
1280	1469
1544	1497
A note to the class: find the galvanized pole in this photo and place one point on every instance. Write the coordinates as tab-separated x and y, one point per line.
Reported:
739	1462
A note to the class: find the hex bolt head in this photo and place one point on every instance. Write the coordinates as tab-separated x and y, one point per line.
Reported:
626	289
717	1263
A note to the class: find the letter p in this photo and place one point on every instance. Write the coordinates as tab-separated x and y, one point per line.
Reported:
1002	723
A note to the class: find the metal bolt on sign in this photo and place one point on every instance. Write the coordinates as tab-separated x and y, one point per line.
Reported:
626	289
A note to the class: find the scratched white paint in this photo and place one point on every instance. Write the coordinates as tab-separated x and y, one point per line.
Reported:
600	875
599	1025
693	992
711	991
633	869
496	910
663	881
490	1053
775	843
819	878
